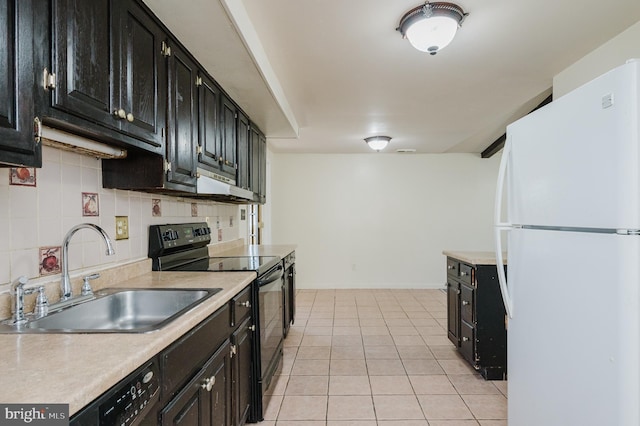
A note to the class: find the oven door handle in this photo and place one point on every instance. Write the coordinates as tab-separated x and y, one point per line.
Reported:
275	274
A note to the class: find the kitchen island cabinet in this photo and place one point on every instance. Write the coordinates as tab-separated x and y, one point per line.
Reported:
475	312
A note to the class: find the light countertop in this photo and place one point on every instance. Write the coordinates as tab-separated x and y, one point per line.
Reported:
77	368
255	250
475	257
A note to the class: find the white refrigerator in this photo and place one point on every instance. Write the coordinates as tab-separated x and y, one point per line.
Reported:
570	182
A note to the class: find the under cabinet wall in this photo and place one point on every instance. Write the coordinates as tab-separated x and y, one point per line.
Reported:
39	216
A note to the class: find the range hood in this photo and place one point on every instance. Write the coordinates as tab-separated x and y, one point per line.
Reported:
217	189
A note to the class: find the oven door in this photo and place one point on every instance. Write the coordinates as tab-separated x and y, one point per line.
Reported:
270	311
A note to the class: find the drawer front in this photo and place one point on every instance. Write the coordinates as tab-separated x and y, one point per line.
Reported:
185	357
452	267
466	273
467	304
241	306
467	342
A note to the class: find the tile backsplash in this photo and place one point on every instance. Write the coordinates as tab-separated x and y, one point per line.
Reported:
37	217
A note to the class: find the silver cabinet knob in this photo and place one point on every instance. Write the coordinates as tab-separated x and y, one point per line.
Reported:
465	303
465	339
208	383
130	118
462	273
120	113
246	304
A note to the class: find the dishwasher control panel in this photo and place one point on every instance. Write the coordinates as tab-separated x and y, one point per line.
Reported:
126	404
131	397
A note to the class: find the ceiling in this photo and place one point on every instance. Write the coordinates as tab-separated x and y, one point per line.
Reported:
320	76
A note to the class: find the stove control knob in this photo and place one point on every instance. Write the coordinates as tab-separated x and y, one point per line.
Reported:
196	232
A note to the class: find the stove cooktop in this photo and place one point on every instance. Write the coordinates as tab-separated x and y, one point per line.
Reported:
259	264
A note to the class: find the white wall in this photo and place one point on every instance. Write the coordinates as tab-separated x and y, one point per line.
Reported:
380	220
613	53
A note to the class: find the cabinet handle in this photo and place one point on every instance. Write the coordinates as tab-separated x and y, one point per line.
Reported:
465	303
463	273
450	267
465	339
246	304
120	113
234	350
252	327
130	118
37	130
208	383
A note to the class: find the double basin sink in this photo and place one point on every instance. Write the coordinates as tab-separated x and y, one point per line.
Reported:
118	311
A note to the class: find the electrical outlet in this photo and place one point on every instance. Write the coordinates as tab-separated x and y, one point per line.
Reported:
122	227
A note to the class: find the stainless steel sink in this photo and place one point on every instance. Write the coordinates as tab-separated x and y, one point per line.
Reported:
118	311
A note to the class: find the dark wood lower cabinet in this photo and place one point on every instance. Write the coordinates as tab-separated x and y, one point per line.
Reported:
241	373
206	399
476	316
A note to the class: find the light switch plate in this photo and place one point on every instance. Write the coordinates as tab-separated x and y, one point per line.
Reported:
122	227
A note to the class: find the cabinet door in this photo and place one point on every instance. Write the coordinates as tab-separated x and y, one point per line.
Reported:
209	116
262	162
141	95
453	311
254	156
242	150
242	377
220	393
181	119
17	144
81	42
228	113
205	400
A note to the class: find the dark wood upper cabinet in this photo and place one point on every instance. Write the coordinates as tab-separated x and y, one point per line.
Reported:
228	114
258	167
182	121
208	114
242	151
141	48
107	75
17	143
82	54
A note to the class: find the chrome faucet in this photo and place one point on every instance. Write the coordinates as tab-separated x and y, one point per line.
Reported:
65	283
17	293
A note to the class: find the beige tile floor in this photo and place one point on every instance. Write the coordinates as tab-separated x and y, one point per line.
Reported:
378	358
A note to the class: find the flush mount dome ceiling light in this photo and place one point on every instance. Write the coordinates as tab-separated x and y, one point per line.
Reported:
432	26
377	142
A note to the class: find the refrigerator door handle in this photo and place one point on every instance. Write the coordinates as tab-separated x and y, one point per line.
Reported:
502	226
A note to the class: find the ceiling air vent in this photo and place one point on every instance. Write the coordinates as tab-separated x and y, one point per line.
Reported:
405	150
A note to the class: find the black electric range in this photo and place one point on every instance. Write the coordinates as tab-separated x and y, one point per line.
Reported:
183	247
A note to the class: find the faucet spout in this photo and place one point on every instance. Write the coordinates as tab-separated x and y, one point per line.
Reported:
65	283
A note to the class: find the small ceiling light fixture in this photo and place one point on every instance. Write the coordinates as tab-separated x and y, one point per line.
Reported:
432	26
377	143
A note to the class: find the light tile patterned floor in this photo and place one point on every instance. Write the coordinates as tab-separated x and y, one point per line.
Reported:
378	358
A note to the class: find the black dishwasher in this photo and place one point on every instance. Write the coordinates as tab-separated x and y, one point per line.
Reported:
131	402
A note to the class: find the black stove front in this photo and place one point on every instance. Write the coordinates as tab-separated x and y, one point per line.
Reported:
182	247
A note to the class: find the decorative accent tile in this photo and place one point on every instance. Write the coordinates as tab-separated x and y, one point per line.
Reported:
90	205
25	176
194	209
156	207
49	260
